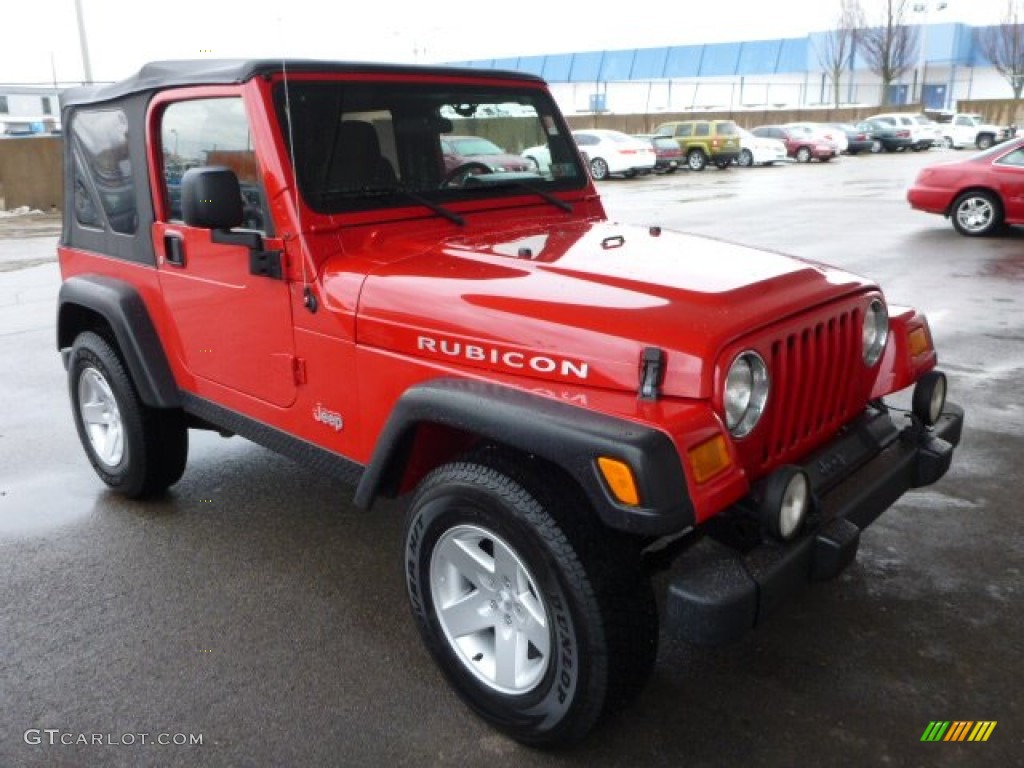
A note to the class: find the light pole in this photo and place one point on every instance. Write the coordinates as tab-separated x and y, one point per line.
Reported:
922	64
83	42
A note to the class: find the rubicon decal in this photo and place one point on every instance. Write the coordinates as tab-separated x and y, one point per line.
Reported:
958	730
503	358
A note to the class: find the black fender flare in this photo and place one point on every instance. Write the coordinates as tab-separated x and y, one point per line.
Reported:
123	309
563	434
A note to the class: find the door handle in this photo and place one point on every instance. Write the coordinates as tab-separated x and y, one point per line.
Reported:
174	249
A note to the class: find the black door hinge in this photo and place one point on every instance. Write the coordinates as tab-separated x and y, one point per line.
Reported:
266	264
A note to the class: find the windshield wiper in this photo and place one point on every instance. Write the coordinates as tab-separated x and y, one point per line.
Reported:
440	210
546	196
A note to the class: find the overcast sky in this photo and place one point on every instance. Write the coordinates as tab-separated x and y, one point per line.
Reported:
39	38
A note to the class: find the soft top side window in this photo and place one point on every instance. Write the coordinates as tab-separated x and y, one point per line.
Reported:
103	171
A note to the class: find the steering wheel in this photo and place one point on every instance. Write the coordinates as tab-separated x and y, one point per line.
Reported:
458	176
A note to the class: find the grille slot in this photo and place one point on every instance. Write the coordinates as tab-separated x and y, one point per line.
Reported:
815	382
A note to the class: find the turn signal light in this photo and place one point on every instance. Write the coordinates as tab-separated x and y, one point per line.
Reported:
918	342
619	477
709	458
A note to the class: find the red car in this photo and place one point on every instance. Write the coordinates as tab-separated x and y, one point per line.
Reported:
479	155
980	194
668	155
552	392
800	143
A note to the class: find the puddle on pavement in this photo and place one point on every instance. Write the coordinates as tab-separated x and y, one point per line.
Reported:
43	502
1008	266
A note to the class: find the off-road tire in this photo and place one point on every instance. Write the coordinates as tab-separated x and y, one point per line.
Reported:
598	606
148	446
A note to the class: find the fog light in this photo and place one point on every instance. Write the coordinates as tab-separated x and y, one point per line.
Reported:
786	502
930	397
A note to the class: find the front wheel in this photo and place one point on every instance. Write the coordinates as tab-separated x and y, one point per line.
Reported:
976	214
540	620
599	169
985	141
136	450
746	159
803	155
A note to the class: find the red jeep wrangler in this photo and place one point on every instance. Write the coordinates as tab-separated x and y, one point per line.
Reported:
274	249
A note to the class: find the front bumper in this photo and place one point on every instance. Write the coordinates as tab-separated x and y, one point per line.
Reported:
718	593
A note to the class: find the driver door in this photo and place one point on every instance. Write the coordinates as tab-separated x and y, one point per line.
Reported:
234	327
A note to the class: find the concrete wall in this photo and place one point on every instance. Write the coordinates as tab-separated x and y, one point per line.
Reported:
30	173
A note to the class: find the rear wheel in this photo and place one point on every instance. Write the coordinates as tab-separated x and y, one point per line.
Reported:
947	142
136	450
696	160
599	169
746	159
976	214
540	619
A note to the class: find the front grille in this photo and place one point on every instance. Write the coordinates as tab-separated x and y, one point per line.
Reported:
817	384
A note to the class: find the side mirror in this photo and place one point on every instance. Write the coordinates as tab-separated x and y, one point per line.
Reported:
211	198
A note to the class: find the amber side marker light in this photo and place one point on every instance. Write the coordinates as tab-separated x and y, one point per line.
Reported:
620	480
918	342
709	458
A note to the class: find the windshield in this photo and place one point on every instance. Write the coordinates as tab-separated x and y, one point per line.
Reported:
369	144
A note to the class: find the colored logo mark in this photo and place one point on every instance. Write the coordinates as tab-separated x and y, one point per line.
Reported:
958	730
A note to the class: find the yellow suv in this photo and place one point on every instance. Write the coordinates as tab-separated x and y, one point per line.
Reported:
704	141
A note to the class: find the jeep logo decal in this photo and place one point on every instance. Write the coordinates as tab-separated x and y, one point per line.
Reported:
330	418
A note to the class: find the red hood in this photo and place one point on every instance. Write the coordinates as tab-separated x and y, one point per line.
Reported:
578	303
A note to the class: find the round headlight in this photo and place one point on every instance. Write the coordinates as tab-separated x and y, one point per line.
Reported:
746	392
875	332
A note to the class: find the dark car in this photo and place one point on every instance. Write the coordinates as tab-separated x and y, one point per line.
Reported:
857	139
980	194
803	145
886	136
667	153
460	151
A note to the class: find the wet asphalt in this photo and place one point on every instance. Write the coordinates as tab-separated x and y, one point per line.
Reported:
255	608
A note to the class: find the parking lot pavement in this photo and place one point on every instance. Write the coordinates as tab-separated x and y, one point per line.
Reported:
256	609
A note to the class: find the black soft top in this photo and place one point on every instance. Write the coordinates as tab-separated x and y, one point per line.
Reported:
158	75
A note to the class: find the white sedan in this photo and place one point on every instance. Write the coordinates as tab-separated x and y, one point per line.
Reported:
759	150
607	152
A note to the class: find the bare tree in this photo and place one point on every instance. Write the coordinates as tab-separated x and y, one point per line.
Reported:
889	43
1003	46
836	52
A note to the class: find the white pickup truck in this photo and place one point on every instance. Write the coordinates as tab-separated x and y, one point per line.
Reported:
971	130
